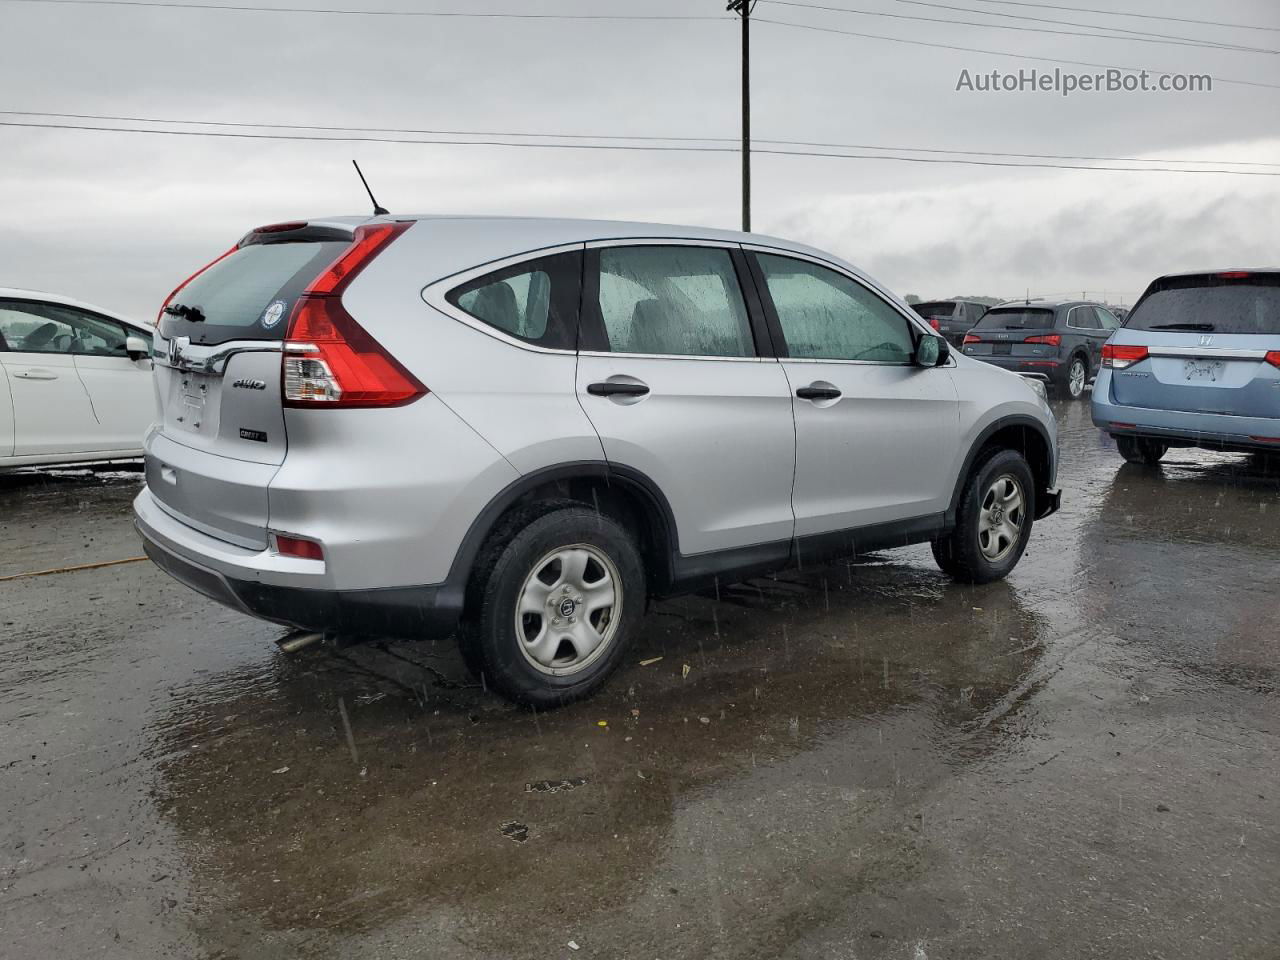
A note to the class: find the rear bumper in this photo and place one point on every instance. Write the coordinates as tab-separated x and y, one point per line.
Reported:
1214	431
1035	368
233	577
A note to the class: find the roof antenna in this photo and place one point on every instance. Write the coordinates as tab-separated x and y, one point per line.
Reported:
378	209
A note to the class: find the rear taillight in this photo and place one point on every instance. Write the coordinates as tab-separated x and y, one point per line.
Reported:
169	299
1118	356
1052	339
933	322
971	338
1273	358
329	359
304	549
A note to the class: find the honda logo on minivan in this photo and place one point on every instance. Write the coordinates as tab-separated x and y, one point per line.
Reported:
1206	340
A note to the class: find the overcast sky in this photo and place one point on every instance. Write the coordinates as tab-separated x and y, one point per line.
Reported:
118	219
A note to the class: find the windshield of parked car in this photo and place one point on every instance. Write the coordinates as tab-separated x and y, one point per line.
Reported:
1016	318
1210	303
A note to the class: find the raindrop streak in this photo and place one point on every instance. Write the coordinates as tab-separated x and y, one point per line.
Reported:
346	725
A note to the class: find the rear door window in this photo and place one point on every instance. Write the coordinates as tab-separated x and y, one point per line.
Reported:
1017	318
672	300
249	294
535	301
1209	304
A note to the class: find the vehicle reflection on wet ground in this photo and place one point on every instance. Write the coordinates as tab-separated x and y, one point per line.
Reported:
859	759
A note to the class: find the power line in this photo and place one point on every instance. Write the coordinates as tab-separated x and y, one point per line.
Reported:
1072	23
107	118
998	53
336	11
650	148
1140	16
1174	42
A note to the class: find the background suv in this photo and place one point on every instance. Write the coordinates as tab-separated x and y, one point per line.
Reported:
1058	342
530	427
1197	364
951	318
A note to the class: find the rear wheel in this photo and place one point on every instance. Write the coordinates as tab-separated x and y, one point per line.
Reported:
557	608
993	521
1074	378
1141	450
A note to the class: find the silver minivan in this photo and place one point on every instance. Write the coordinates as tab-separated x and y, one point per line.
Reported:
523	430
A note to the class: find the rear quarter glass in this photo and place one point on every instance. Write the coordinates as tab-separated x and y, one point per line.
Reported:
1032	318
1248	304
249	294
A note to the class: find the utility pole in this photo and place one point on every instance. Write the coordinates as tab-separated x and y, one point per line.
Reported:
743	8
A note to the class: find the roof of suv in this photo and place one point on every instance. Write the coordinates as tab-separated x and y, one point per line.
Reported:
1041	304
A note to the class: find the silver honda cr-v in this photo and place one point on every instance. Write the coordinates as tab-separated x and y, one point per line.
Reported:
526	429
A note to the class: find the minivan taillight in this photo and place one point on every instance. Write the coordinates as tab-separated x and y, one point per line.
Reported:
1273	358
1118	355
329	359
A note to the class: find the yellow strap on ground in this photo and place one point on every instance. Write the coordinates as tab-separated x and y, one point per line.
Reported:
75	569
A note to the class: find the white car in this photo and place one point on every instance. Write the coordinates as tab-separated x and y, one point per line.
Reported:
75	382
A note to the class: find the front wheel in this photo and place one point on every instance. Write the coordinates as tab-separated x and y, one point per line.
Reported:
1141	450
993	521
557	608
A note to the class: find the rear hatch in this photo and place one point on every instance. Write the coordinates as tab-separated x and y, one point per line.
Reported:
1021	331
1203	343
938	313
218	378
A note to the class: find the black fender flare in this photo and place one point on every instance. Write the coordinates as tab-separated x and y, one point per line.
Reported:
1014	420
627	478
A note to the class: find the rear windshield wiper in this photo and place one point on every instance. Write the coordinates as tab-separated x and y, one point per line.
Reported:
183	312
1182	326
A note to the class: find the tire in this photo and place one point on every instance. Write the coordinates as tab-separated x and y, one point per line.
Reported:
575	560
1141	450
986	544
1075	375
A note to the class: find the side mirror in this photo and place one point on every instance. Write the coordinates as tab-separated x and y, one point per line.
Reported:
136	347
932	352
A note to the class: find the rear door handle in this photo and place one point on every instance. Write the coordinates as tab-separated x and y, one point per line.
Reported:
818	393
37	373
609	388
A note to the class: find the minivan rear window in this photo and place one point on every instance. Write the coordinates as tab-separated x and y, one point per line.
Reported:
1210	304
938	308
1017	318
249	294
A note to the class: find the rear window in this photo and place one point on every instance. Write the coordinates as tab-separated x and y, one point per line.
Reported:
1209	304
250	294
1017	318
938	308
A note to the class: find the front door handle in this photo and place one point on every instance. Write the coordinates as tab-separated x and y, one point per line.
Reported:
818	393
609	388
38	373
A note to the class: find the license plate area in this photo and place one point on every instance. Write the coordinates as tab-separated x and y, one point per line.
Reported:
193	396
1202	371
1001	349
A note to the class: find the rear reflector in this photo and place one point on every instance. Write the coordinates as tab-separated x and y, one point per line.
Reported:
329	359
1123	426
1052	339
1273	358
972	338
298	547
1118	356
1266	439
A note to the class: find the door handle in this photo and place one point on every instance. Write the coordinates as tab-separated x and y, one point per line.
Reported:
609	388
39	374
818	393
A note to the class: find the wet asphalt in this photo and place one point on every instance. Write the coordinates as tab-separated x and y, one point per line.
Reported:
861	760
